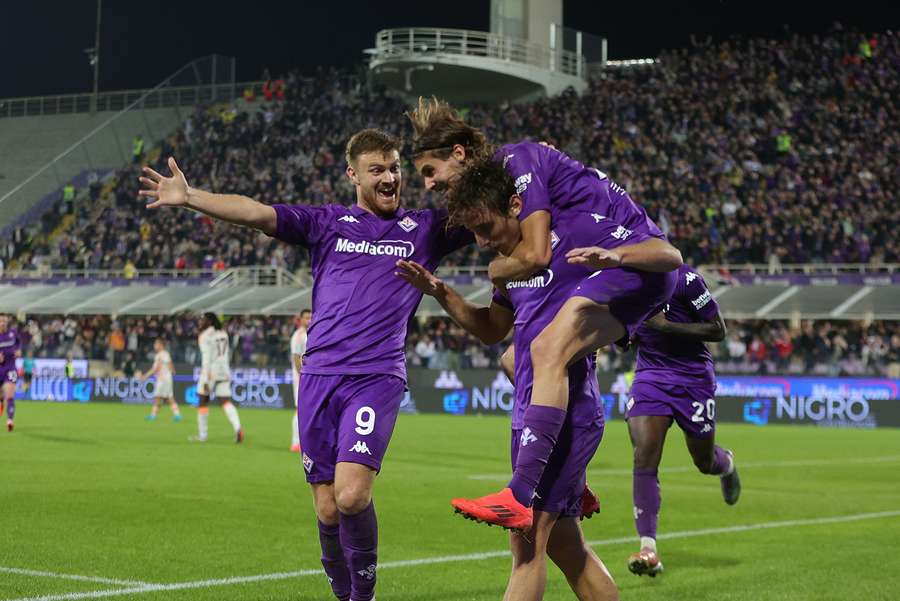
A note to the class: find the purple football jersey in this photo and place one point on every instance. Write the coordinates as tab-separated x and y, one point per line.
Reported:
360	308
676	359
549	180
9	344
537	300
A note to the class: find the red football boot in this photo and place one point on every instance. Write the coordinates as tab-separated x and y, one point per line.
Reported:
499	508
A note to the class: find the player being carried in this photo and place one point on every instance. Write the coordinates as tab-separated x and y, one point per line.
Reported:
610	303
485	200
675	380
10	349
298	348
354	369
215	376
164	371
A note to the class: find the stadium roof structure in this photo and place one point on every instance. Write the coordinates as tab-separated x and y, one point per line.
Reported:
843	293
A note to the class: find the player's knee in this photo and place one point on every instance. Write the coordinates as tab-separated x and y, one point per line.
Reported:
352	499
570	557
327	512
546	351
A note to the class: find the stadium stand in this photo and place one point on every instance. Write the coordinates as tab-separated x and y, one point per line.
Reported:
753	154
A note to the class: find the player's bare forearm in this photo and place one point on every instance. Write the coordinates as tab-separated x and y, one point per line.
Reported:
489	324
707	331
531	254
233	208
653	255
174	191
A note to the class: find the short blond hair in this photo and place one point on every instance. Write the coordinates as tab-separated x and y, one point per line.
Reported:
370	140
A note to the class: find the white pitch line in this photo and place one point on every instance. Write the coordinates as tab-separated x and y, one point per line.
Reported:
741	464
149	588
100	579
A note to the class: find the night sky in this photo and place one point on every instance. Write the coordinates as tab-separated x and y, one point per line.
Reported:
143	41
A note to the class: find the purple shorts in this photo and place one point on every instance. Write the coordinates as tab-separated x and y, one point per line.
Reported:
8	374
692	407
346	418
564	478
632	295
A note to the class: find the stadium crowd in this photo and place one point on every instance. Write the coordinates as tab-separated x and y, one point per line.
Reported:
751	150
752	347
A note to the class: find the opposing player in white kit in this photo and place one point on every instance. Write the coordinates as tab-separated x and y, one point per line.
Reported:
164	372
215	377
298	347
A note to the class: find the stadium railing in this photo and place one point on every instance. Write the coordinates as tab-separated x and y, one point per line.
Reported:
393	44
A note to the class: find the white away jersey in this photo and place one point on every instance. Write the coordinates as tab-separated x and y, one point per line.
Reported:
162	364
214	353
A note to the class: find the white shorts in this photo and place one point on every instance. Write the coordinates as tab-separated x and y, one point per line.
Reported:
220	388
163	389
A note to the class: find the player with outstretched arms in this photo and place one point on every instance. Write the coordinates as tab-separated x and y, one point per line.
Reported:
10	349
298	348
164	371
354	368
215	377
612	302
675	380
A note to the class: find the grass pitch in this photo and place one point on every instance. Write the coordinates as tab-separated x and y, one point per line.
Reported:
96	502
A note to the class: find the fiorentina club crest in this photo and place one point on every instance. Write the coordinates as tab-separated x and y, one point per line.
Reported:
554	240
407	224
307	463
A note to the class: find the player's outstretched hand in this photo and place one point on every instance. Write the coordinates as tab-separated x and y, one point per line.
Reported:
594	257
420	278
164	191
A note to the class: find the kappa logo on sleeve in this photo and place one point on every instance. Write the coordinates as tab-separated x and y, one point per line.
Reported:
689	277
348	219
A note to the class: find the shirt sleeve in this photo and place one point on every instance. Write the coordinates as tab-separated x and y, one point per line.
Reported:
300	224
696	294
526	164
